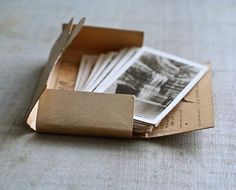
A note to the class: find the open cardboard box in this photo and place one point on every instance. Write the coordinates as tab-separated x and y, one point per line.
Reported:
57	108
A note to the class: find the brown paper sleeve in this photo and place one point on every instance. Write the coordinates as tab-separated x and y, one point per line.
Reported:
84	113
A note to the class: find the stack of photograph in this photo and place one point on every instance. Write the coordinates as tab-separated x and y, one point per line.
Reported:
158	81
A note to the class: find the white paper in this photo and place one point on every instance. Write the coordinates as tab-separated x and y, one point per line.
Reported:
110	67
127	56
107	59
85	68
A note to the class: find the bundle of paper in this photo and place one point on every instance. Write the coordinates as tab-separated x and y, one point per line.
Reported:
158	80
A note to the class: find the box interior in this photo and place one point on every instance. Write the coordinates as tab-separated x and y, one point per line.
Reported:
92	41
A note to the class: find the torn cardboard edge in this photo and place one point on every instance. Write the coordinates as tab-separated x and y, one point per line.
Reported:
56	108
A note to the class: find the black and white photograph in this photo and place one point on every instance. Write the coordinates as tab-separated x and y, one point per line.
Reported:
158	81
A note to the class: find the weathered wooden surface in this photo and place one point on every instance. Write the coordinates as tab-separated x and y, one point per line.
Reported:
198	30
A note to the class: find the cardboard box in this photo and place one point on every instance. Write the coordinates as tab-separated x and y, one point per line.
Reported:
57	108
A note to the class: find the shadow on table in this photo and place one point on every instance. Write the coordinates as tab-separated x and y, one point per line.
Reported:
185	142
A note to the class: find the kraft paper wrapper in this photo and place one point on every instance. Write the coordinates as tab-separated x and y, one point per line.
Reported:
85	113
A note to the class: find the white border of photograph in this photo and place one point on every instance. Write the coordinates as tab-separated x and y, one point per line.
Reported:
111	79
80	73
116	58
85	68
96	67
128	55
90	60
105	62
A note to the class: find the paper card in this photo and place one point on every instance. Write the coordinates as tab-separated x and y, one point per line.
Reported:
85	68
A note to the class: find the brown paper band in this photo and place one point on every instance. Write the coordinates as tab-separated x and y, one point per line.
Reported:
85	113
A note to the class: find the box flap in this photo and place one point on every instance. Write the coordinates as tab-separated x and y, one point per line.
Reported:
65	38
85	113
194	112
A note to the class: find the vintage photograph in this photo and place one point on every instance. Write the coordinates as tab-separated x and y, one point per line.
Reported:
156	81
